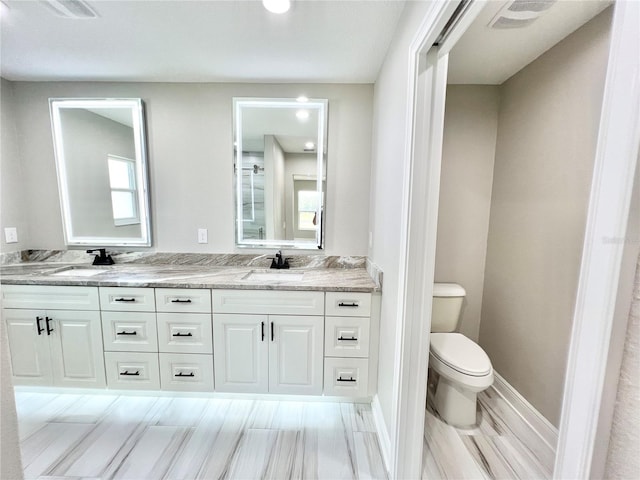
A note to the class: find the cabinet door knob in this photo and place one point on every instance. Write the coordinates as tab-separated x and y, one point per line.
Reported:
40	329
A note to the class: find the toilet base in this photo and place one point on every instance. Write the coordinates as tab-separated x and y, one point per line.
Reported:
454	404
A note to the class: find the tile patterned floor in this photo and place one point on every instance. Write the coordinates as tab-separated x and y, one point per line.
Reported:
501	446
69	436
100	436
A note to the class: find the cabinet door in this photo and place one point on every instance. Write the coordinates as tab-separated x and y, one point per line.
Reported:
296	354
76	348
30	356
241	353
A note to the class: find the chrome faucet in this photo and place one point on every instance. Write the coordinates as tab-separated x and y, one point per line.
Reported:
279	262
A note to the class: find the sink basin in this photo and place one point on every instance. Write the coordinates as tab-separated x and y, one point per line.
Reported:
78	272
274	276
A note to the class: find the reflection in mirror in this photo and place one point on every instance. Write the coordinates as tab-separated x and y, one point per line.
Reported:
102	171
280	152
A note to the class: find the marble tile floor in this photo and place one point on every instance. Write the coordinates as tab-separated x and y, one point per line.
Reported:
501	446
106	436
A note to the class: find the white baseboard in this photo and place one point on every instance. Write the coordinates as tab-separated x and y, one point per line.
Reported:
383	433
545	430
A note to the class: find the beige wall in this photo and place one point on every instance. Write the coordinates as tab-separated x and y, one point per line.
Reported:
189	129
547	129
470	129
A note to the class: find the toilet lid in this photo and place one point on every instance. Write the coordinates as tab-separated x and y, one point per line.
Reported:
460	353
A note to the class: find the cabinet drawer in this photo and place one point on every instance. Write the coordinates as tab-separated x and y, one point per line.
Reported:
347	377
184	333
267	302
50	297
132	371
346	337
348	304
129	332
127	299
187	372
183	300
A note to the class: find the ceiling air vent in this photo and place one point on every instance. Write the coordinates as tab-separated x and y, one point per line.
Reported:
520	13
70	8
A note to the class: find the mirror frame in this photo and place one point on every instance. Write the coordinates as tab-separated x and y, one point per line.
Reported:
142	183
321	105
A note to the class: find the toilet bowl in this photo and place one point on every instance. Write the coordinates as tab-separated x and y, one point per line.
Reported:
463	368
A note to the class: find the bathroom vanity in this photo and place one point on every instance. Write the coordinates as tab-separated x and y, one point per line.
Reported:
192	328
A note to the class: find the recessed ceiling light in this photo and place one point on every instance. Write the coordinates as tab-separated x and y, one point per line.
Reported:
302	114
309	145
302	99
277	6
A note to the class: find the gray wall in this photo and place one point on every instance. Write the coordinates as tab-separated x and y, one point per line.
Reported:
470	129
13	197
547	131
190	150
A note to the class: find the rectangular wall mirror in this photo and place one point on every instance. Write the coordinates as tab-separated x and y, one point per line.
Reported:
280	172
102	171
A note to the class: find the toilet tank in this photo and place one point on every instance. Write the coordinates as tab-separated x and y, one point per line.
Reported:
447	304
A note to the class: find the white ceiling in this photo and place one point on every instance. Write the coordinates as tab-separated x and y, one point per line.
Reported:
319	41
490	56
194	41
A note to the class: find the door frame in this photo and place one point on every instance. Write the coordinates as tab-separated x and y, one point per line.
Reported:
616	158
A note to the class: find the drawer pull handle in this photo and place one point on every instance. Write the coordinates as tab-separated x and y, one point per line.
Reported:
40	329
180	374
183	334
124	300
129	374
350	339
179	300
124	332
352	304
350	379
49	329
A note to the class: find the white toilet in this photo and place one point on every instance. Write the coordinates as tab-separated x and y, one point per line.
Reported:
464	368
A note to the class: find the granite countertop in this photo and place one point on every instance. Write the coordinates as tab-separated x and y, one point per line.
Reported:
187	276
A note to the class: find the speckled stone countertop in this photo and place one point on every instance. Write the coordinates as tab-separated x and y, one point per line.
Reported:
189	275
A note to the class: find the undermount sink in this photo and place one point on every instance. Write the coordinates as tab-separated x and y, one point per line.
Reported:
78	272
274	276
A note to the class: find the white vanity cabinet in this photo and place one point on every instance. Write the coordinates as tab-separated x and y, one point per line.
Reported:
347	343
268	341
185	343
130	338
54	335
